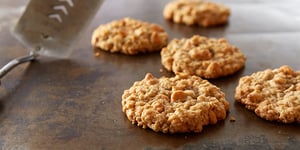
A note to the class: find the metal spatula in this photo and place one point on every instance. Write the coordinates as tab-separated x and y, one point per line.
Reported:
50	27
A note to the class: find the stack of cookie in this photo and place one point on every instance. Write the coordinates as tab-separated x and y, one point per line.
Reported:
187	102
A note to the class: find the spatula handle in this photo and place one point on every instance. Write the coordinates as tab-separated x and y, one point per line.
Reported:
15	62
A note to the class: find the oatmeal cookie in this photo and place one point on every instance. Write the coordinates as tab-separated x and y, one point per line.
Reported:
129	36
174	105
273	95
196	12
205	57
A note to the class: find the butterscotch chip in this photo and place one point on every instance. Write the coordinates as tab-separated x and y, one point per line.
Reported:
196	12
198	55
174	105
273	95
129	36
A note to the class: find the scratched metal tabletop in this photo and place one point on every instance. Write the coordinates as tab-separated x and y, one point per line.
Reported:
75	103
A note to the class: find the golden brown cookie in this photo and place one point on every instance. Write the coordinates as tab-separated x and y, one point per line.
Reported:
196	12
129	36
174	105
205	57
273	95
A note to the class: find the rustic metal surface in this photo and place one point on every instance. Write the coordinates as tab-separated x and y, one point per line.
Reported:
76	103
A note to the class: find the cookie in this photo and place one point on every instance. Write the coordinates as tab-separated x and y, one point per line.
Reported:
129	36
273	95
205	57
196	12
174	105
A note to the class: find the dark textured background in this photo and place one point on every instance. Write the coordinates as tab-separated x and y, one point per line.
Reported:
75	103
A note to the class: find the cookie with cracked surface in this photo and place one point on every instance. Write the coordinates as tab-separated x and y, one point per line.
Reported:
129	36
196	12
273	95
174	105
202	56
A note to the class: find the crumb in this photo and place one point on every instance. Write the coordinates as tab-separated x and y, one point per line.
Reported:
232	119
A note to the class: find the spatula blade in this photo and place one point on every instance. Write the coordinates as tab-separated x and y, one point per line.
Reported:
50	27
